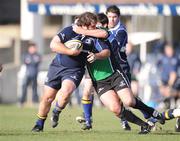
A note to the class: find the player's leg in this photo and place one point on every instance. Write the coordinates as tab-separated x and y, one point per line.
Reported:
25	85
125	124
171	114
62	99
134	87
70	80
44	107
35	97
128	99
177	126
87	103
111	100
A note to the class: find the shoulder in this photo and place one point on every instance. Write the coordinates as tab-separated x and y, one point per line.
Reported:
121	29
66	30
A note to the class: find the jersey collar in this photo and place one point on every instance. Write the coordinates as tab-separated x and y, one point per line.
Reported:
116	27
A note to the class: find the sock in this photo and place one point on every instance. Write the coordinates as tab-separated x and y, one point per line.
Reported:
131	117
40	121
144	108
123	118
57	108
87	107
168	114
145	114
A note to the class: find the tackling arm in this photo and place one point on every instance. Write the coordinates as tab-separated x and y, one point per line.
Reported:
98	56
98	33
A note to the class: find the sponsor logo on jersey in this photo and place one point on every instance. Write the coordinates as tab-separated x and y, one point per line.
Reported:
122	83
73	77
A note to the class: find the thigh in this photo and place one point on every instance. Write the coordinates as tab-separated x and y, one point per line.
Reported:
63	95
87	89
126	96
110	99
67	86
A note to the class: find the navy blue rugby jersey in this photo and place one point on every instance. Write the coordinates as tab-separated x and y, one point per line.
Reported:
118	38
89	44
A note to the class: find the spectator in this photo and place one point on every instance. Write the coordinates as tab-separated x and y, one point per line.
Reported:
135	65
31	60
167	65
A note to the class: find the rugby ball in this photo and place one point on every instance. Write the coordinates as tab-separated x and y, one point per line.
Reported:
74	44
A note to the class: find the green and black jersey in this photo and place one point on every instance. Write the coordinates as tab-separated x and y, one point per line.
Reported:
100	69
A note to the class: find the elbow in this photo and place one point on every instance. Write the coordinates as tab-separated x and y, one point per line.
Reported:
52	47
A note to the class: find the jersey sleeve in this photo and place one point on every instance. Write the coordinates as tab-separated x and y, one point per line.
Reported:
174	65
101	45
65	34
121	37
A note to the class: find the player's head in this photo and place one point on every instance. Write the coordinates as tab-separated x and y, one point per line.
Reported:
87	20
32	47
168	50
113	14
102	20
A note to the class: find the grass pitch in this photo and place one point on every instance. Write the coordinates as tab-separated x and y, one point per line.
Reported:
16	124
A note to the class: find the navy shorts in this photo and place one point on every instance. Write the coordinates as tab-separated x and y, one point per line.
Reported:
116	82
58	73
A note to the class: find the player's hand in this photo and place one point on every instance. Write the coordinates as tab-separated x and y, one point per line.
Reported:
91	57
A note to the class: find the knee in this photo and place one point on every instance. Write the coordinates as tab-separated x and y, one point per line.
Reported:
47	99
130	102
116	110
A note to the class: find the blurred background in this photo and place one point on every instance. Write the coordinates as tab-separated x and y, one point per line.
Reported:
151	26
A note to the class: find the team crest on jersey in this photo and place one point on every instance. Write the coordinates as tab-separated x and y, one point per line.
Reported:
88	41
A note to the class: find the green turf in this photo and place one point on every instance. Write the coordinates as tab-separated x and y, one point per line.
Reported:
16	123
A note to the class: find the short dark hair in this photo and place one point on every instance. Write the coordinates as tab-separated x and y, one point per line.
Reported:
31	43
102	18
86	19
113	9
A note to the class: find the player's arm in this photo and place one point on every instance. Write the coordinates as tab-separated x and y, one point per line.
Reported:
173	74
98	33
103	53
121	36
98	56
57	46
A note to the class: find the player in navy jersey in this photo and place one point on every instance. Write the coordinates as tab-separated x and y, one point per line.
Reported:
67	69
